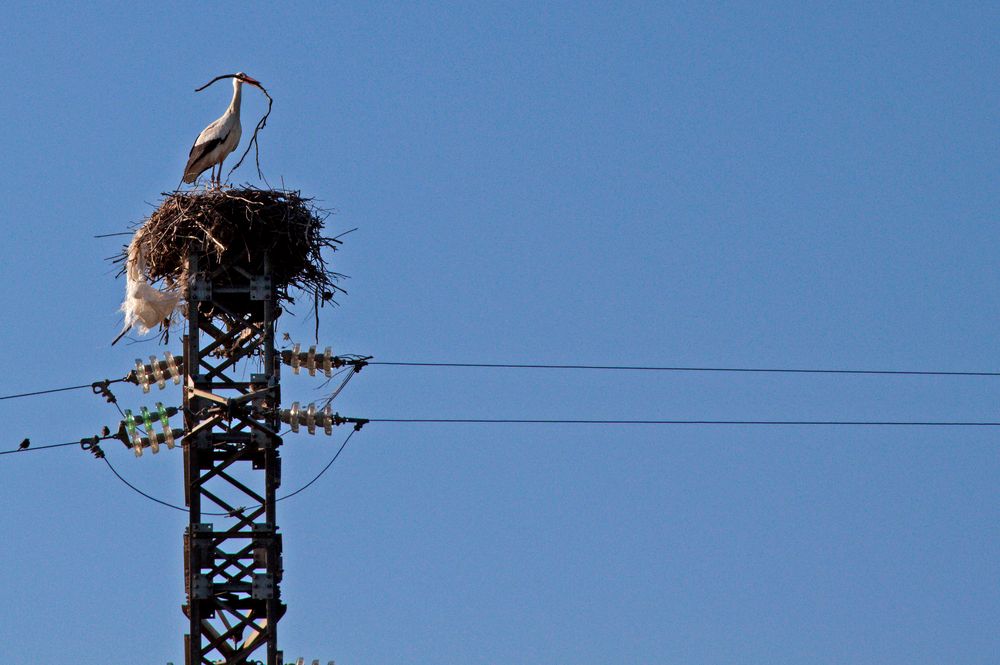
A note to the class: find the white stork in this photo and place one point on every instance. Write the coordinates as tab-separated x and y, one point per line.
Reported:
220	138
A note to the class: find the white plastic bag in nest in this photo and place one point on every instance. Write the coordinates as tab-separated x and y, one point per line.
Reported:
144	306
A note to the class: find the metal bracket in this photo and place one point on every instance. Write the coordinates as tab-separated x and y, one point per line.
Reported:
260	287
201	587
201	288
262	587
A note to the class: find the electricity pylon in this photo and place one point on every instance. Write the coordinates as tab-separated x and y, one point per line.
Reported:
232	548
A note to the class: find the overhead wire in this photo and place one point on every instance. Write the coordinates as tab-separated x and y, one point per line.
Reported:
560	421
99	388
343	445
33	448
656	368
149	496
340	388
45	392
320	474
631	368
218	514
555	421
95	386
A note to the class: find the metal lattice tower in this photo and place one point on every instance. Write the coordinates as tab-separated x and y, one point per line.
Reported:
232	548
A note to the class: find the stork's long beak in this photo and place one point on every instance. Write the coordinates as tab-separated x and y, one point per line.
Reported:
251	81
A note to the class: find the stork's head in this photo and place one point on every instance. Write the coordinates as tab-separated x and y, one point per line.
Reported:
240	77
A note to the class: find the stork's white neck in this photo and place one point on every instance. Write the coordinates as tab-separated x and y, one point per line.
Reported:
234	106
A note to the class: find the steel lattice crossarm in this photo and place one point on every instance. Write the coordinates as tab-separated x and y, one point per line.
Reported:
232	563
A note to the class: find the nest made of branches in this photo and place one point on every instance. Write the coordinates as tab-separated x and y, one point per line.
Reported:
239	227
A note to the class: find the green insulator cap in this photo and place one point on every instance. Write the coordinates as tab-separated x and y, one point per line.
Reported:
147	420
129	422
164	418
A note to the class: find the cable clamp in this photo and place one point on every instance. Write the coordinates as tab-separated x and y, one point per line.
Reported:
91	445
101	388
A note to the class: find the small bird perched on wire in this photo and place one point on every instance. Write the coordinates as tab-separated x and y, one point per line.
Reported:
24	444
219	139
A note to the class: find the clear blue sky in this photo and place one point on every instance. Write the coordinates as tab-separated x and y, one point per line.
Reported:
734	184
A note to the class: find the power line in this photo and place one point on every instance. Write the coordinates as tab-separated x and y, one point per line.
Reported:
186	510
318	475
343	384
556	421
548	421
148	496
45	392
33	448
98	387
633	368
652	368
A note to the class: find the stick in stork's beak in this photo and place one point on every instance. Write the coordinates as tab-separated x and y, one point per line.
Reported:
251	81
239	75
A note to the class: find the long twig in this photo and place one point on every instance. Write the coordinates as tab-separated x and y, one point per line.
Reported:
253	140
217	78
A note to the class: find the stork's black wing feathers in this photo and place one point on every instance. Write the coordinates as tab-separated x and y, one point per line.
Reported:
207	146
193	169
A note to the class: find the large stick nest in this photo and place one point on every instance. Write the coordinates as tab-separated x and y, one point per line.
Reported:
239	227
